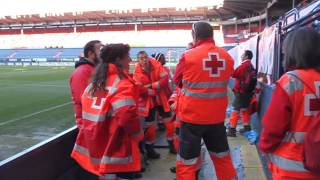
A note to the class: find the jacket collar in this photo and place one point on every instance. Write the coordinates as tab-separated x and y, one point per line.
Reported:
247	60
83	61
202	41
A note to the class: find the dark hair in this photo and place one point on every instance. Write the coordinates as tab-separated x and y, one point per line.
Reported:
248	53
90	47
110	54
301	49
158	56
202	30
141	52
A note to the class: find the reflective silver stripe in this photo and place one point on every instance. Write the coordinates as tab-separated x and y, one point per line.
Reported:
104	159
220	154
88	88
205	84
187	161
150	92
116	160
93	117
294	137
173	95
123	102
203	95
112	89
294	84
287	164
163	74
157	85
143	109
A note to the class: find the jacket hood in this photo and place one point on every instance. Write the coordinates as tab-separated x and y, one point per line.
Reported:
83	61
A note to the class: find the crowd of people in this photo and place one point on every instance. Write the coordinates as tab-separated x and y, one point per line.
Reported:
117	113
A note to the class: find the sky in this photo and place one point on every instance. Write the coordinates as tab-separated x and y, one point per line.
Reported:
26	7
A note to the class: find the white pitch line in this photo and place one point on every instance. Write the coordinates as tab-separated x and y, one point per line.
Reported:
34	85
35	113
45	85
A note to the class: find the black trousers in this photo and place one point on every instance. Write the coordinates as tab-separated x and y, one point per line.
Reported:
241	100
214	136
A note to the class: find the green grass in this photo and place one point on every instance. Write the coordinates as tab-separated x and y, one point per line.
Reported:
34	105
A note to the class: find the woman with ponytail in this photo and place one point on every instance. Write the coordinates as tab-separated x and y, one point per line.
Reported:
107	142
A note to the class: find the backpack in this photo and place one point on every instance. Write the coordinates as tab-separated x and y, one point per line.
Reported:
311	152
248	84
311	144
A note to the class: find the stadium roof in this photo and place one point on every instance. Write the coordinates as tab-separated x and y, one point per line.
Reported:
61	12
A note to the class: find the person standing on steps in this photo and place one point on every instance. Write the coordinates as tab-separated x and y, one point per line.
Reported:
245	85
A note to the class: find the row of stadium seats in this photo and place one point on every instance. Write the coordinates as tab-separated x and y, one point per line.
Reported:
141	35
152	38
172	53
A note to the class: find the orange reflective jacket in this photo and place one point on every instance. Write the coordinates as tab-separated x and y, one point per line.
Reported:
287	159
203	98
159	93
110	129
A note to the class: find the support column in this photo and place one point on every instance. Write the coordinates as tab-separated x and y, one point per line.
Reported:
267	17
293	4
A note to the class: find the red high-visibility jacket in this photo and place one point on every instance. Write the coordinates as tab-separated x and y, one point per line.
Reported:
158	94
107	141
204	80
286	122
78	82
240	73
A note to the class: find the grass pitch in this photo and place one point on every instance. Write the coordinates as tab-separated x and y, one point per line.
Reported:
35	104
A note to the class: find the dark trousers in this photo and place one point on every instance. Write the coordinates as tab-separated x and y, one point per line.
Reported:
214	136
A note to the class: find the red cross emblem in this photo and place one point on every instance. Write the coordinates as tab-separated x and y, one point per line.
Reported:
214	64
312	104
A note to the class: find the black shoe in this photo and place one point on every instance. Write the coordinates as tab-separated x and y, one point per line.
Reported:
172	150
151	153
231	132
245	129
173	169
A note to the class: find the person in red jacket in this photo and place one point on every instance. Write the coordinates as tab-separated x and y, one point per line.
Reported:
154	95
293	107
162	59
110	131
242	94
81	76
169	125
202	74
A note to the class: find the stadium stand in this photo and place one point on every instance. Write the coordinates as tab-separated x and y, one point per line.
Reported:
61	54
